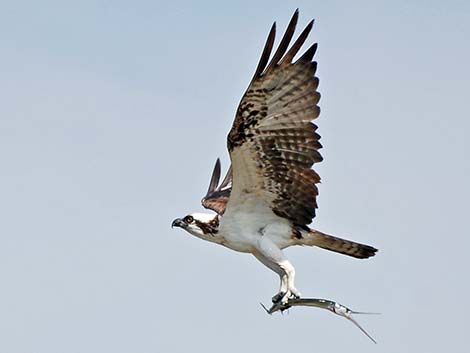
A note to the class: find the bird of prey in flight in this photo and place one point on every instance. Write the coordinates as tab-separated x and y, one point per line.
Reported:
269	196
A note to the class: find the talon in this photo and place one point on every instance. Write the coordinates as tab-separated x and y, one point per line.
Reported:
295	295
279	297
282	298
285	300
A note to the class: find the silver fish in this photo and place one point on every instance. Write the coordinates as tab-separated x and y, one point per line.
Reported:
329	305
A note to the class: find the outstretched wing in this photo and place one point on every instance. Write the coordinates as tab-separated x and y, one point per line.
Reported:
217	195
273	143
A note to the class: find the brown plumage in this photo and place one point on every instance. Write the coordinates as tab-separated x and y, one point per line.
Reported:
273	143
217	195
313	237
273	126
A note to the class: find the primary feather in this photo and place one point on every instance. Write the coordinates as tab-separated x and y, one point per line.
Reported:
273	143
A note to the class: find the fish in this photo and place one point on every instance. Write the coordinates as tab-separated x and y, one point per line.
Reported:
329	305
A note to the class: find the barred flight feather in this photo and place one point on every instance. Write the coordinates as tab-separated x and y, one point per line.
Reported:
273	144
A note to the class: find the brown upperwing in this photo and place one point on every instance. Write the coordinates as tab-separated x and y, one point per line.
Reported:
273	144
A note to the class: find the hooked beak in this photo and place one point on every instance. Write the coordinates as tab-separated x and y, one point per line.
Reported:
178	222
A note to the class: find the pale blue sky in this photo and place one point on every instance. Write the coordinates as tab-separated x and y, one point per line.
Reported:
112	115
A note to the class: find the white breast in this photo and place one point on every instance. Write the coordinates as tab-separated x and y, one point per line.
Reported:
243	225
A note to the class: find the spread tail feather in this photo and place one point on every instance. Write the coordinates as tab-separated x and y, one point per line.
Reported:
316	238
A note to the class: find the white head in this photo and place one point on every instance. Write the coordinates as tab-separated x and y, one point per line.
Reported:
201	225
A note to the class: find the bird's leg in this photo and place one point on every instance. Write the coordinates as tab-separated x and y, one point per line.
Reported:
283	289
287	289
290	270
271	256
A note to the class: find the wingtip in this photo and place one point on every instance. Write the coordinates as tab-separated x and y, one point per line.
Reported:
309	53
296	14
271	35
297	44
215	178
295	17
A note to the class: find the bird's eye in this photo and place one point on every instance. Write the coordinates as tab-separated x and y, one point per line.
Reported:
188	219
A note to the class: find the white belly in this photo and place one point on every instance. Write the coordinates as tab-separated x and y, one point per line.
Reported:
242	229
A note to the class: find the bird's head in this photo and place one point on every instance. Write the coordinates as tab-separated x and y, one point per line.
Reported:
199	224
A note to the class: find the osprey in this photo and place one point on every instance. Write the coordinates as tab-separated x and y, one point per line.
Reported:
268	196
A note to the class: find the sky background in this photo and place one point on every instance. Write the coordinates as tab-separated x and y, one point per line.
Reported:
112	114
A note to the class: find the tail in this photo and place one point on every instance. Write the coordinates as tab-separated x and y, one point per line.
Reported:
314	237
